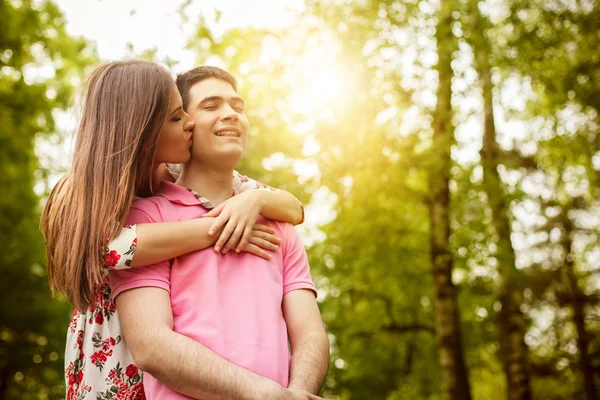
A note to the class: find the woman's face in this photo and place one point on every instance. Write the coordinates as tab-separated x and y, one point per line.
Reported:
176	136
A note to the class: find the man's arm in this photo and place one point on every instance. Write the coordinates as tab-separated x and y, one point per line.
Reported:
310	347
179	362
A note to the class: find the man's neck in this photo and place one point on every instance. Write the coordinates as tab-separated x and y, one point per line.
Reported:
212	183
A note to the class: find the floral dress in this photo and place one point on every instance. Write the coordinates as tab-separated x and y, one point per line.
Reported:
98	364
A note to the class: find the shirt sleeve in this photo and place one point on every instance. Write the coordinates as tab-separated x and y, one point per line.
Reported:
242	183
296	271
120	250
156	275
174	169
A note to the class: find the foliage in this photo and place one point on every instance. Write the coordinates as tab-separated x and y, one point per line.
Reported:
32	328
361	159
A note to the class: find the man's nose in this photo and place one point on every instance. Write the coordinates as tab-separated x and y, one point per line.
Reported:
229	114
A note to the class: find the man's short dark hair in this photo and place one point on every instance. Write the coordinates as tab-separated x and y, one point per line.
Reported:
186	80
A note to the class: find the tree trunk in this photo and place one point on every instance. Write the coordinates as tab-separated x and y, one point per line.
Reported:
577	301
511	320
454	371
4	380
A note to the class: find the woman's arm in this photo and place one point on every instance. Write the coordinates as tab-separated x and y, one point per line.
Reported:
276	204
238	214
155	242
166	240
281	205
163	241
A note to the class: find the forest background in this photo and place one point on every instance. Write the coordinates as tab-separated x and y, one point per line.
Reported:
447	152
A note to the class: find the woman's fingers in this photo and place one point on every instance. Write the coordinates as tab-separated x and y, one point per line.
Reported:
221	218
225	235
266	236
257	251
217	224
215	211
263	228
244	239
219	221
234	238
263	244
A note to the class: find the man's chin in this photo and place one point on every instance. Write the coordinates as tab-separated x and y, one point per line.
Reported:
223	159
233	157
233	150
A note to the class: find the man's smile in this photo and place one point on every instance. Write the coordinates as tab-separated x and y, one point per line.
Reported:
228	132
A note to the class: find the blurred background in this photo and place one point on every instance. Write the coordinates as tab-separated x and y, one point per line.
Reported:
447	152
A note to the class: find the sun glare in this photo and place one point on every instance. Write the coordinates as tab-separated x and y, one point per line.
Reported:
318	81
326	84
317	90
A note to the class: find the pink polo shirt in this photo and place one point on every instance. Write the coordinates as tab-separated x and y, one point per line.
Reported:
230	303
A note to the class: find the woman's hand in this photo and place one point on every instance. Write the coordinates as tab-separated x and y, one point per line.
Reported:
238	214
261	239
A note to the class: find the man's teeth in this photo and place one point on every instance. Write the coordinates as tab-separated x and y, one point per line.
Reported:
228	133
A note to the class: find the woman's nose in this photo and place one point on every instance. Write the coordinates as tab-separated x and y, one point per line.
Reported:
189	123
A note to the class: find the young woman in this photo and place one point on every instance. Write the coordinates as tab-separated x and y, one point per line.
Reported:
131	125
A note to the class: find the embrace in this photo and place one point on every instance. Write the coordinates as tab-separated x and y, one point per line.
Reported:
188	282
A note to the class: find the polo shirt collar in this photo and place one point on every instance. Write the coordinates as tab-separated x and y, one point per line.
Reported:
182	195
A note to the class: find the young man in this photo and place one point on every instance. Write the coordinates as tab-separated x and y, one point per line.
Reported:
210	325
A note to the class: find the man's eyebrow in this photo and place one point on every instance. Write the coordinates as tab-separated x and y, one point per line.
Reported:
175	110
239	100
210	98
219	98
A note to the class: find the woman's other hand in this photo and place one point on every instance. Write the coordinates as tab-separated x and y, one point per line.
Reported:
238	215
261	239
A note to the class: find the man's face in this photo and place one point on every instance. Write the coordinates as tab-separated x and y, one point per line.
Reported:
220	125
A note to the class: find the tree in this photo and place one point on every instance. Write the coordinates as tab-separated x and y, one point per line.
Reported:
577	299
511	321
386	155
551	45
32	329
448	333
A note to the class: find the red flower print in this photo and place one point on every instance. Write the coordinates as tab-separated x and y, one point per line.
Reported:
79	343
124	386
135	393
102	304
111	307
131	370
111	258
99	357
112	375
73	323
75	376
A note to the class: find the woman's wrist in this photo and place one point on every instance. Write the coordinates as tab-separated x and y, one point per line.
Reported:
261	199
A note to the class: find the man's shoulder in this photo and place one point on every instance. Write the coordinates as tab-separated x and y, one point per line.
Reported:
151	202
280	227
290	240
154	208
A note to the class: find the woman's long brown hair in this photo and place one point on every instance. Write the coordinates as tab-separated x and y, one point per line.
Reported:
124	107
